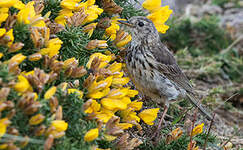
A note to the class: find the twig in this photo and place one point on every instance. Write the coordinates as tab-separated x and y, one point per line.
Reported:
21	139
226	101
231	45
193	122
206	140
222	146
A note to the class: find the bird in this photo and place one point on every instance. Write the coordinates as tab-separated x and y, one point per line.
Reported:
153	68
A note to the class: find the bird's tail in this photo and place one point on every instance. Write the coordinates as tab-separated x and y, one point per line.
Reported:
197	104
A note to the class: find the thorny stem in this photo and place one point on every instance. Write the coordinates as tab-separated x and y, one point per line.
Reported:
193	122
206	140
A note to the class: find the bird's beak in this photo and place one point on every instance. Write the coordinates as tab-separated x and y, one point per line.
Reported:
125	23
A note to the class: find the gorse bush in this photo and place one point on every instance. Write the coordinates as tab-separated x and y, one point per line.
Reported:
62	83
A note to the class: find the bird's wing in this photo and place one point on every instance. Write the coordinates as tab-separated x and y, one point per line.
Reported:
167	66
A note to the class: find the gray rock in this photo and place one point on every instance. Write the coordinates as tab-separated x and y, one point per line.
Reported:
229	5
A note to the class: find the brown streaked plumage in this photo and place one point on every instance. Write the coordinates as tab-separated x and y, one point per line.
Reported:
153	68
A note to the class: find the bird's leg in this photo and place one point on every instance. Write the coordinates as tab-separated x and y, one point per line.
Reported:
163	116
156	133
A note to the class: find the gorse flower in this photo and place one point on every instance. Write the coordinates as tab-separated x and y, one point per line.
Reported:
91	135
50	92
88	9
149	115
80	93
52	47
27	15
22	85
3	14
4	122
40	84
37	119
159	15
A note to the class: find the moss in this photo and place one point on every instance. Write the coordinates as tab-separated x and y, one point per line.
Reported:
204	37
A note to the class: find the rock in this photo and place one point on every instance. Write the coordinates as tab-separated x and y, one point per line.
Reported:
229	5
211	9
200	11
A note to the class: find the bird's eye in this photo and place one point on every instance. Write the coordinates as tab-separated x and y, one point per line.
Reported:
140	24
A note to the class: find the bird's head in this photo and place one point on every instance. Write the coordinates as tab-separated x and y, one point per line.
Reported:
142	29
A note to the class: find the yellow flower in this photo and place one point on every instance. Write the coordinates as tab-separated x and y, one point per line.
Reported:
159	17
118	93
28	73
22	85
9	37
7	3
103	84
104	60
53	47
2	31
3	146
35	57
124	126
60	125
149	115
104	115
61	18
1	55
69	4
120	81
111	31
174	135
124	41
115	104
3	126
89	28
130	116
115	67
80	93
96	44
3	14
50	92
37	119
92	13
19	4
192	146
27	15
69	62
90	2
135	105
132	93
99	94
18	58
198	129
93	107
109	137
91	135
151	5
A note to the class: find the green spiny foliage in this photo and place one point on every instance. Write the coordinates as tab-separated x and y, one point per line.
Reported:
74	42
53	6
22	34
128	9
77	124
